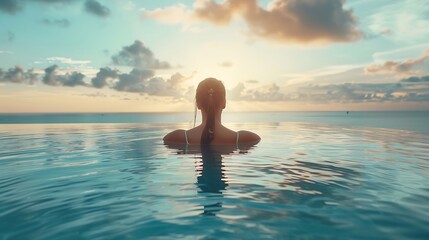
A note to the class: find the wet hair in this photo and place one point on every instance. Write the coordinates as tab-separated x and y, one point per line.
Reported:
210	98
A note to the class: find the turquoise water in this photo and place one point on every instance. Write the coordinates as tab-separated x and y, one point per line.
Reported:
305	180
406	120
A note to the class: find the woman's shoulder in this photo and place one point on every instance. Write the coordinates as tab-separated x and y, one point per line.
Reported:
176	136
248	137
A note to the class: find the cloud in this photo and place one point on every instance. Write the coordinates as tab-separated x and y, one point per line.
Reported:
402	53
102	77
138	56
94	7
284	21
268	93
10	6
174	14
6	52
398	67
414	97
141	79
272	93
52	76
331	73
18	75
54	1
69	80
171	15
97	94
412	90
91	6
416	79
135	81
65	60
349	92
170	87
145	82
236	92
56	22
225	64
399	16
252	81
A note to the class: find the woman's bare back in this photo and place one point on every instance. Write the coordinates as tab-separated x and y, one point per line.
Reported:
222	136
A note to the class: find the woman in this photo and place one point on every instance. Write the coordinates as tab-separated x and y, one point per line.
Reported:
210	99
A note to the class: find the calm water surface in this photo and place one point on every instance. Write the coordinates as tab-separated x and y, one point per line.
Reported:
305	181
406	120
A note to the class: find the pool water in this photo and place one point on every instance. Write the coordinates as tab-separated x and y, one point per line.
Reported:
305	181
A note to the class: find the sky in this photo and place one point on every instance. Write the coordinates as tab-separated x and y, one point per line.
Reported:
271	55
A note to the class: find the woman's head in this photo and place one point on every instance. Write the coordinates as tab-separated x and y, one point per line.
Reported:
210	98
210	91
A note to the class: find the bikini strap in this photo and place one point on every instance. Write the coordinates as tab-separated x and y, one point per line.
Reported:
186	137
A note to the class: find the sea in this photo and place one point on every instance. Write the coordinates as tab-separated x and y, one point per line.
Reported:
314	175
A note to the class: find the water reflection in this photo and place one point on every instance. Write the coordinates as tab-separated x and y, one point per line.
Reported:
211	176
212	181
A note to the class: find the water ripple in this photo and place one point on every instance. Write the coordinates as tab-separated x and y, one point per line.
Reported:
303	180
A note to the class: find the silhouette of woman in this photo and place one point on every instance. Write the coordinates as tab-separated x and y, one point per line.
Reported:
210	99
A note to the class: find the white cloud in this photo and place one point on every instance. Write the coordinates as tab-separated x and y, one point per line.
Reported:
171	15
400	68
406	19
303	77
400	54
65	60
175	14
86	70
6	52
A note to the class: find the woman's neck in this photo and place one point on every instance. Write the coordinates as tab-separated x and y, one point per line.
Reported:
217	118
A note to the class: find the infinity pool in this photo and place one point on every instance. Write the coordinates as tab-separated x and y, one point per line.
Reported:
305	181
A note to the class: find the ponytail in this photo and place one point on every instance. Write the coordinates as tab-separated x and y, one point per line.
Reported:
209	129
210	98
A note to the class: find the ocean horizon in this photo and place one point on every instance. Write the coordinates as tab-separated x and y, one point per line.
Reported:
405	120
